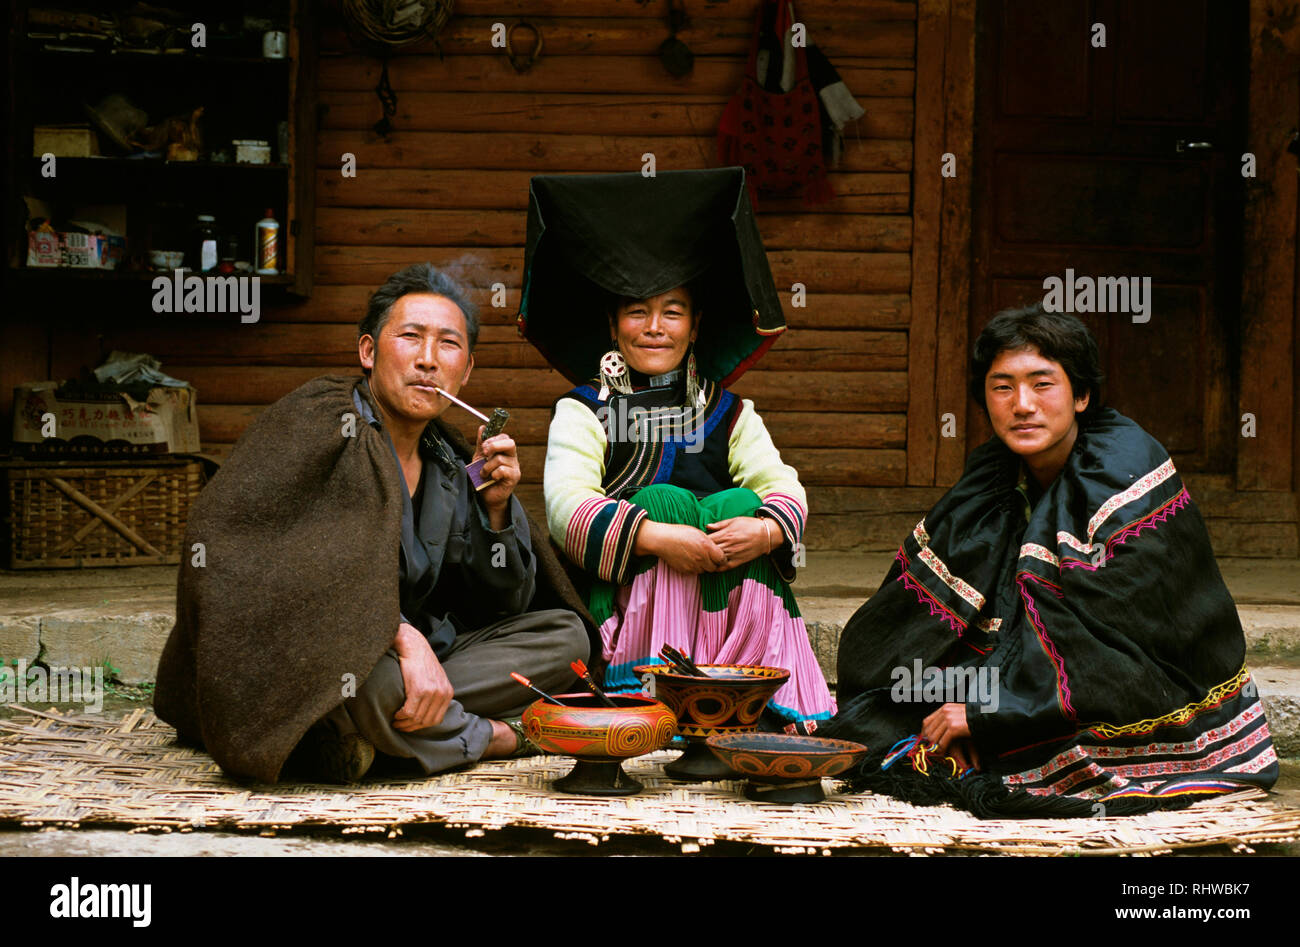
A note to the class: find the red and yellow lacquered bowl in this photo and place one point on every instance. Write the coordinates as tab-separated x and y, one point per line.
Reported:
599	738
729	700
784	767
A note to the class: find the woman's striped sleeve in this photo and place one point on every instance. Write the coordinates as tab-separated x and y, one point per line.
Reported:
595	532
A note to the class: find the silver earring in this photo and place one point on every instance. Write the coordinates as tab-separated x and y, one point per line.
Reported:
613	374
694	393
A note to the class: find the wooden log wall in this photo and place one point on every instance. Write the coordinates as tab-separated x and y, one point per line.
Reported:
852	392
451	186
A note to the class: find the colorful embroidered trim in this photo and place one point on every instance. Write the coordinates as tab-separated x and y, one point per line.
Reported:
653	459
1200	787
961	587
964	589
789	514
1058	662
1216	696
1035	551
1160	515
937	609
1143	486
600	536
1165	769
1144	761
1068	539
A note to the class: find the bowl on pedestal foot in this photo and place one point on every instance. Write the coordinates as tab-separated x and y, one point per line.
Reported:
782	767
599	737
729	700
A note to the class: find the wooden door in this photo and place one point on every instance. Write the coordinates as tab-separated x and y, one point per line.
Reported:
1122	160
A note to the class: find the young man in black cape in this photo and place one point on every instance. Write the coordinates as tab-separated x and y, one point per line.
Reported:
353	586
1054	637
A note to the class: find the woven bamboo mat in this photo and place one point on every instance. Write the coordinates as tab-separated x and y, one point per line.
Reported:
80	770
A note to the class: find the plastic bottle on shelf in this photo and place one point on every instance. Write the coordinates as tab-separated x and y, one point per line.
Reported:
266	239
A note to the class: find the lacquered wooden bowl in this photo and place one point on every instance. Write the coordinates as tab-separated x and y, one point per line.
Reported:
784	767
729	700
599	738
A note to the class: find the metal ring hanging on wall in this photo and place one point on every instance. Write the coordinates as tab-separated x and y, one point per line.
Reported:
387	25
522	62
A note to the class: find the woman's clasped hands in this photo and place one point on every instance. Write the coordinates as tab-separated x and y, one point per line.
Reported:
728	544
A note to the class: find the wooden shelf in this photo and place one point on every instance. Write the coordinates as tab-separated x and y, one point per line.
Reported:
244	96
124	55
130	165
124	276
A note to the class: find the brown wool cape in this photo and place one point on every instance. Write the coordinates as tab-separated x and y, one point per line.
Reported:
300	530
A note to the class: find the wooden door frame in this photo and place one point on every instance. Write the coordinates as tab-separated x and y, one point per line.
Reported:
1268	302
942	263
944	123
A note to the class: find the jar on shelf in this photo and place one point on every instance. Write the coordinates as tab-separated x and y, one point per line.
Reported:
203	249
229	254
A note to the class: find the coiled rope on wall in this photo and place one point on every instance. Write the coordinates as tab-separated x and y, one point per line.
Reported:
387	25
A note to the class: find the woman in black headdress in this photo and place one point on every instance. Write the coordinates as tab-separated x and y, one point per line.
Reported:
662	485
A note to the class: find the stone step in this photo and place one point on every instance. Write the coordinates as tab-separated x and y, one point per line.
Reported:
88	636
1279	689
858	574
1272	631
132	644
122	616
1267	592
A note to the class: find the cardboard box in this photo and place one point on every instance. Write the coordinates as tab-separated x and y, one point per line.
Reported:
81	250
64	141
77	250
252	151
44	248
112	424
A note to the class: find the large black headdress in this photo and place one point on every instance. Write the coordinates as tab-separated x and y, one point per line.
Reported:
593	237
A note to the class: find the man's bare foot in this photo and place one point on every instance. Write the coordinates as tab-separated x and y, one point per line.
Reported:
504	742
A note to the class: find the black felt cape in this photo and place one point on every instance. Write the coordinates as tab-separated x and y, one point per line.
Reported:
1120	656
301	531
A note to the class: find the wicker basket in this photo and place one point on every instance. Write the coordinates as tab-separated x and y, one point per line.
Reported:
67	514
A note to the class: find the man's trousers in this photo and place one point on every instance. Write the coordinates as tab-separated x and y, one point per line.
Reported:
539	645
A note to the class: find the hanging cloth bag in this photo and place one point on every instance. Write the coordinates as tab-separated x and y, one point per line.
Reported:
776	136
